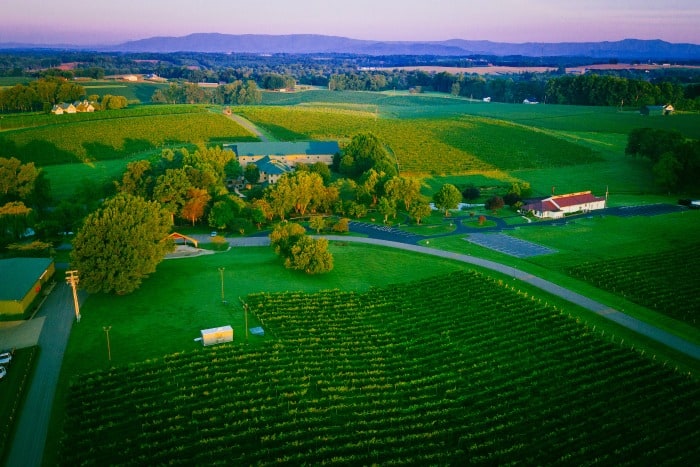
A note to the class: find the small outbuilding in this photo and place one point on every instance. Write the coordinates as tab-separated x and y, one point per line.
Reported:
217	335
21	282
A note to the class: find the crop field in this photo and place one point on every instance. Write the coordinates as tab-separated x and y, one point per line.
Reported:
451	369
437	146
119	136
667	281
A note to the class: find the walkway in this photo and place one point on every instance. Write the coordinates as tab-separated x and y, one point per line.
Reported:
57	315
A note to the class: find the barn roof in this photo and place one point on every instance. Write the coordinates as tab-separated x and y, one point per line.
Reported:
18	275
287	148
573	199
555	203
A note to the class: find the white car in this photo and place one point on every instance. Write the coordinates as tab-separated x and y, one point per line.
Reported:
3	372
5	358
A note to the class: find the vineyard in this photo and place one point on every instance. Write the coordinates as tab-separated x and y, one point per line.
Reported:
122	135
455	369
667	282
429	145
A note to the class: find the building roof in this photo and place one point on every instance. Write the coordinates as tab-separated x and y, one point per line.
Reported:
555	203
18	275
286	148
573	199
271	166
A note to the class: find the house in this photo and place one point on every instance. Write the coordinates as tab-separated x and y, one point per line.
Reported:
63	108
556	207
657	110
274	159
21	282
84	106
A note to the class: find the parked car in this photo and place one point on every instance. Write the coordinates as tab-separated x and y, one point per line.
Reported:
3	372
214	234
5	358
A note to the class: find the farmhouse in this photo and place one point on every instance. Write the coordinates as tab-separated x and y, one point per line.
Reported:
63	108
556	207
78	106
21	281
274	159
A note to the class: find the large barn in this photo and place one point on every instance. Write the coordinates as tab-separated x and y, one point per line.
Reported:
274	159
556	207
21	281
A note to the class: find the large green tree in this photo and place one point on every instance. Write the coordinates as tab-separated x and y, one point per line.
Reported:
120	244
300	251
448	197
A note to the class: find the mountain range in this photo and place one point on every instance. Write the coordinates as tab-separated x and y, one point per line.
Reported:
627	49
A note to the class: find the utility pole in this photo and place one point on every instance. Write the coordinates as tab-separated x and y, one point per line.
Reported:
221	273
72	279
109	349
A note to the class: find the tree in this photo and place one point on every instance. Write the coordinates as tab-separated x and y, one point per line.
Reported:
311	256
15	218
666	171
386	207
471	193
448	197
120	244
284	236
494	203
342	226
171	190
365	151
196	203
317	223
401	188
419	211
251	173
137	179
16	179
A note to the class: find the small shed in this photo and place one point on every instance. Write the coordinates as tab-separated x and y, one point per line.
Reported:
217	335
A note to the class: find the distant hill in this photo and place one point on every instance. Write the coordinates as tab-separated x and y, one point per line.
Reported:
310	44
628	49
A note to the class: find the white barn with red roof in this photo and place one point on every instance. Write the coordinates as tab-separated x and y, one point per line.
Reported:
556	207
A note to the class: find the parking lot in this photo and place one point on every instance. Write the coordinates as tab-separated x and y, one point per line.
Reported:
509	245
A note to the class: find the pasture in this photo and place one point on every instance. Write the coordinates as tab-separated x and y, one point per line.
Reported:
453	369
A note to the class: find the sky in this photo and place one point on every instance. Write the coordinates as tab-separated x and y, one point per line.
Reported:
98	22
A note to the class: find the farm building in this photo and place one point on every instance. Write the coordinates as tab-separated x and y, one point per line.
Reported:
63	108
217	335
657	110
21	281
556	207
277	158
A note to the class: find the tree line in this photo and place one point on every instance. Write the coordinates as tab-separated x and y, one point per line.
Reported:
675	159
627	88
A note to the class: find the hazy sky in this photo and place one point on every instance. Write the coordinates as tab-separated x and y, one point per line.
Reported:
111	21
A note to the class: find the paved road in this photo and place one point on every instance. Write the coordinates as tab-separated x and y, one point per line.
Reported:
58	316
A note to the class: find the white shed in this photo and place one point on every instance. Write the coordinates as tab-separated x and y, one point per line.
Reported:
217	335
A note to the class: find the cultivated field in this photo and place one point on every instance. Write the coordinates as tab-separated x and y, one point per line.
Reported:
450	370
